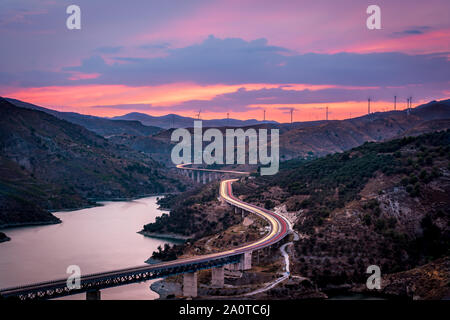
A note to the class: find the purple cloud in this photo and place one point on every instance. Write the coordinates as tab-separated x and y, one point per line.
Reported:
412	31
109	49
236	61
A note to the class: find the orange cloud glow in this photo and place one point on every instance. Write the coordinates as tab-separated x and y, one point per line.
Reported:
82	99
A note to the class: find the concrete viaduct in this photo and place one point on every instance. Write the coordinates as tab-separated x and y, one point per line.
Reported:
208	175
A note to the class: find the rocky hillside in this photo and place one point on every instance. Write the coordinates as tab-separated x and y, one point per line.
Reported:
382	203
48	164
429	282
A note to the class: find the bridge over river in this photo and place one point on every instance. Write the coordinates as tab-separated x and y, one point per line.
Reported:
236	259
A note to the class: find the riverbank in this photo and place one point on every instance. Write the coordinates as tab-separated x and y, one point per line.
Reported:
46	216
164	236
167	289
29	224
4	237
93	202
96	200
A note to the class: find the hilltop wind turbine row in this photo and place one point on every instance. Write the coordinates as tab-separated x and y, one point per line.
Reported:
408	104
327	112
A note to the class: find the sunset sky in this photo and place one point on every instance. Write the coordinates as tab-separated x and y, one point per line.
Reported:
241	57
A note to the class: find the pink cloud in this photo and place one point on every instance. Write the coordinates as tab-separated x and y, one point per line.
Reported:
307	26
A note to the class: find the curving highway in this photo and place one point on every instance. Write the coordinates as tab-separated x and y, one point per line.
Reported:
279	228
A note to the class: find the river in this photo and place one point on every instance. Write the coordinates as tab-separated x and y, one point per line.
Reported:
96	239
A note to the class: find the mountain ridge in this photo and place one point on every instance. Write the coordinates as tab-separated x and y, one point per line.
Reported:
99	125
50	164
318	138
176	121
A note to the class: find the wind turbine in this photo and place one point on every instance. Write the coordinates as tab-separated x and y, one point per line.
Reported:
407	107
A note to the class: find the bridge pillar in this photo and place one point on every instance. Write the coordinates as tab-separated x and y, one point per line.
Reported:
190	284
217	277
240	210
245	263
93	295
204	177
210	176
246	260
198	176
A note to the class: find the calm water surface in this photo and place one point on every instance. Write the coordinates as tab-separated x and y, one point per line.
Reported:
96	239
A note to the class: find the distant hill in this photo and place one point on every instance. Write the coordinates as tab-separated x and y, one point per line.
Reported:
49	164
327	137
433	110
176	121
318	138
101	126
